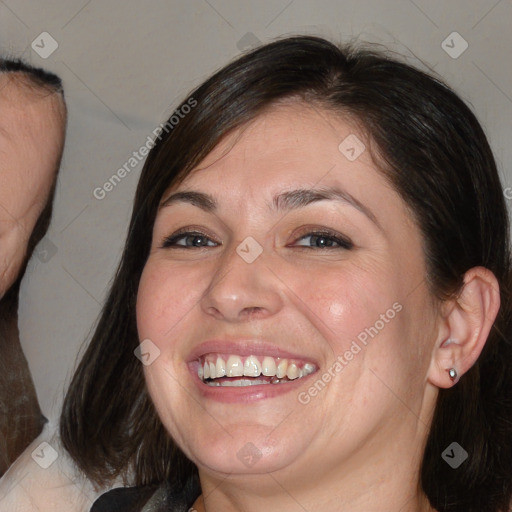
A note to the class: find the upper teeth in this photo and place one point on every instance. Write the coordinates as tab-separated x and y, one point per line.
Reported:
216	366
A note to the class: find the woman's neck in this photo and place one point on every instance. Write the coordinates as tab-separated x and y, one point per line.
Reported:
421	504
390	496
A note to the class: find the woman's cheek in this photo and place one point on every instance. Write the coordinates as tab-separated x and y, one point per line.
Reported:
164	296
355	311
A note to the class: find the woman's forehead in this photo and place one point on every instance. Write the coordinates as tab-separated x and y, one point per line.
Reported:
296	127
285	145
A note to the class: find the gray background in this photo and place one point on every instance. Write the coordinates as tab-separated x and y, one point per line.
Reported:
126	64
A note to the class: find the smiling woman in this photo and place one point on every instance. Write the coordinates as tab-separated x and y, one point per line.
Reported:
324	215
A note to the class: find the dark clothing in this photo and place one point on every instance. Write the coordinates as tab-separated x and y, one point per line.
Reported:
163	498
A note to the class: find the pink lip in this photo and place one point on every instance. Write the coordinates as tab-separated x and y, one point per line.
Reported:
244	348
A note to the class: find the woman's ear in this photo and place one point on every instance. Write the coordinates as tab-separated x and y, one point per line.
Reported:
464	327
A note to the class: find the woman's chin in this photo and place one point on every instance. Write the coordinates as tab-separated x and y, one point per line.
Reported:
254	450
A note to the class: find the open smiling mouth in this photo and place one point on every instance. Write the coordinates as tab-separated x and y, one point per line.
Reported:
234	370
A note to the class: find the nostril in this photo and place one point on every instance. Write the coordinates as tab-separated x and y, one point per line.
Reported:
252	311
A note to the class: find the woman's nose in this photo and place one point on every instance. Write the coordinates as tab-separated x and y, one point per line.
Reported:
243	286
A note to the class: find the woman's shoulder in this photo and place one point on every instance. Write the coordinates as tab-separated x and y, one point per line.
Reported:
45	478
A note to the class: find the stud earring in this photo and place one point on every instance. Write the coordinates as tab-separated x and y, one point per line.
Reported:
452	372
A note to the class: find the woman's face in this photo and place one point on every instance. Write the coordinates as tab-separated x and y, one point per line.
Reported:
293	262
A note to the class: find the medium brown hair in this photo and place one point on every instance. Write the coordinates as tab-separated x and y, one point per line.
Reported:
432	149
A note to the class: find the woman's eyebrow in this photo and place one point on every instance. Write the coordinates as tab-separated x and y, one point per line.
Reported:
204	201
299	198
283	202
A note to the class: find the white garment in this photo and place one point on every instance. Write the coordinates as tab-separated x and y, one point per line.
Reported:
44	478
